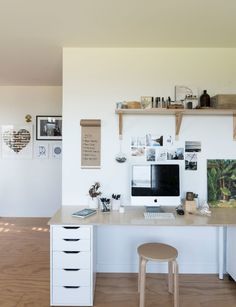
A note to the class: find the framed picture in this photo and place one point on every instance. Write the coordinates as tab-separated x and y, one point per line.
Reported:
221	183
48	128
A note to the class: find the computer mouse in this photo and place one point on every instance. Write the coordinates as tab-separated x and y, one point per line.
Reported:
180	211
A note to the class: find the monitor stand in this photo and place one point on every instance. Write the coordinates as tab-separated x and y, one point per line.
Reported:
154	209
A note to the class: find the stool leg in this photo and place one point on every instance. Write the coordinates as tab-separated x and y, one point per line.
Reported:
139	274
170	277
176	284
142	283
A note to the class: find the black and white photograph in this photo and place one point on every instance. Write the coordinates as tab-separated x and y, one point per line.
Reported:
137	151
150	154
175	154
49	128
192	146
154	140
137	141
161	154
41	151
191	162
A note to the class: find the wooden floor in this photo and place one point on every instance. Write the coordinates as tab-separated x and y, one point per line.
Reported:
24	277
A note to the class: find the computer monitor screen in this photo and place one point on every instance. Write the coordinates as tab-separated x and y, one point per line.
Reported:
155	185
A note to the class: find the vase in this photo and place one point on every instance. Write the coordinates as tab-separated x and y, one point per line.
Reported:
93	203
205	100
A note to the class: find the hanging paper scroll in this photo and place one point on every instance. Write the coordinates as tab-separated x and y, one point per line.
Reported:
90	143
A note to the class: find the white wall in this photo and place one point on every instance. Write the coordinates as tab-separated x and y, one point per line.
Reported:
29	187
94	79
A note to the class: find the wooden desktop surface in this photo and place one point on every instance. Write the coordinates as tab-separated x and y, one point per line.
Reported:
133	216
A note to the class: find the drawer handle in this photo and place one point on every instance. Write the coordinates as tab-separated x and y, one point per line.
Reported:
70	270
71	227
71	240
71	287
71	252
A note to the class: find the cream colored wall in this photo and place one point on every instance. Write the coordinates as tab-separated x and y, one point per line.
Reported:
29	187
93	81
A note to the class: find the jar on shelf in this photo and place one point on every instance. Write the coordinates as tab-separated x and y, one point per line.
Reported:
190	102
205	100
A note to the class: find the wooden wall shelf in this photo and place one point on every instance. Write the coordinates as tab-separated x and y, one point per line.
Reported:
179	113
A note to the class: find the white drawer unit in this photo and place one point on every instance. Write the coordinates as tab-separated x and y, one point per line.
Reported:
71	259
71	245
71	296
72	265
72	277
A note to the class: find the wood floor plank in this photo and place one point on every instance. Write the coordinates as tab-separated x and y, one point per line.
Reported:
24	276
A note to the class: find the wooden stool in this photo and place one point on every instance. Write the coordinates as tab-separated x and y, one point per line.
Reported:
161	253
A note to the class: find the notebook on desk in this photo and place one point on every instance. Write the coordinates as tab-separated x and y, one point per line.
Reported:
84	213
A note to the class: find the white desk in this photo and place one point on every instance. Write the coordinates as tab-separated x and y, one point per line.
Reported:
73	246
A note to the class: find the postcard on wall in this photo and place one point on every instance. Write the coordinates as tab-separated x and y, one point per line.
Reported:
90	143
137	151
56	151
169	140
175	154
41	151
17	142
221	183
154	140
150	154
191	161
193	146
161	154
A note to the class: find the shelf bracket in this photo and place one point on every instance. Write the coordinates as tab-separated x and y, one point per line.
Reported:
178	121
234	126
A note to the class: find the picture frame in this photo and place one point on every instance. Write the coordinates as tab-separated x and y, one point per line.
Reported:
48	128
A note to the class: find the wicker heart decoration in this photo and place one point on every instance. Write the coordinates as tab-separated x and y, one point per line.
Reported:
16	140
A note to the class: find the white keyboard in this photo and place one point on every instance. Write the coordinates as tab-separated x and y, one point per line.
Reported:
159	215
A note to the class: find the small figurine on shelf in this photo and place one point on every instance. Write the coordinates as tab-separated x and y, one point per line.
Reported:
94	193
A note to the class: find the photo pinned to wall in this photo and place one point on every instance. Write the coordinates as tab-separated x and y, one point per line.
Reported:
150	154
56	151
17	142
193	146
137	151
138	141
175	154
154	140
221	183
138	146
161	154
191	161
169	140
41	151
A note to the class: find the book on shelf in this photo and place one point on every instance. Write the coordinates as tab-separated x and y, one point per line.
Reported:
84	213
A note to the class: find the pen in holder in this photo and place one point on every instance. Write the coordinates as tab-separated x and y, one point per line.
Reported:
105	204
115	202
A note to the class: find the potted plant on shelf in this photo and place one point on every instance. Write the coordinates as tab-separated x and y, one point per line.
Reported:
94	193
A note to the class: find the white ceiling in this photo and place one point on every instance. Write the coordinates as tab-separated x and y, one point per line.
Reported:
33	32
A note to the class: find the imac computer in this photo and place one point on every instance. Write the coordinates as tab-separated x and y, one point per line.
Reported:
155	185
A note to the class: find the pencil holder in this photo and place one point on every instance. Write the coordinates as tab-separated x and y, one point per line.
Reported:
115	204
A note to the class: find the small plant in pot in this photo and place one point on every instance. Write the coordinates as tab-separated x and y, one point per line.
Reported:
94	193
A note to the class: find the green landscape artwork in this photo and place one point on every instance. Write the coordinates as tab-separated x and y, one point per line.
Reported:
221	183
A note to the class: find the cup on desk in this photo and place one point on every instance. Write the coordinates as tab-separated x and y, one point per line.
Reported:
115	204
